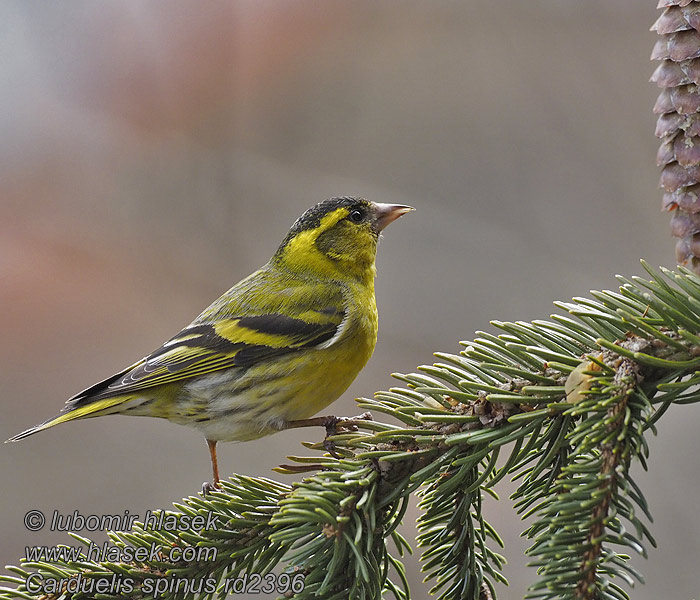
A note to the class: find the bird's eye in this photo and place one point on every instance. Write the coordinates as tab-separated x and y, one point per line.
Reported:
356	215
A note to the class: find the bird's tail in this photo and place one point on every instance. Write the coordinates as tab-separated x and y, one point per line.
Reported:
93	409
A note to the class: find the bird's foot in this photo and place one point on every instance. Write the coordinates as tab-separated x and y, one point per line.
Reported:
335	425
210	486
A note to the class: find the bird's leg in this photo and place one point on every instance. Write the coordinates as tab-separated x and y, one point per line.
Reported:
213	485
332	425
330	422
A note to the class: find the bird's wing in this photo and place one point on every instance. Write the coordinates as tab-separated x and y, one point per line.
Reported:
205	347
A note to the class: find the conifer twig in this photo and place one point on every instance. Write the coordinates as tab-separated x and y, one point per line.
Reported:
563	406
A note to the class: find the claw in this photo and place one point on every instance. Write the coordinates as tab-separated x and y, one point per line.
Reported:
333	424
210	486
346	423
329	446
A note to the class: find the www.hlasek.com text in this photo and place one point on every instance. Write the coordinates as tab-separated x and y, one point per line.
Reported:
120	554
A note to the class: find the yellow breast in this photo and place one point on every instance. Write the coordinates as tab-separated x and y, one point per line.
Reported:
328	370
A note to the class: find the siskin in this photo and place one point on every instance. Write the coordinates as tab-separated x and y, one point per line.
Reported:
275	349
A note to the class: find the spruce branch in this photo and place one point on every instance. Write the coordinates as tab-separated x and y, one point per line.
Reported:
562	406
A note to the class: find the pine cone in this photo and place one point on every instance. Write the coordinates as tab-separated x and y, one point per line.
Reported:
678	125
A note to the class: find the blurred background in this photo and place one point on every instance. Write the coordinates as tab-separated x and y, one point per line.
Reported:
152	154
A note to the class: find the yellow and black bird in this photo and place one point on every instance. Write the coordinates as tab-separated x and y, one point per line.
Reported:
275	349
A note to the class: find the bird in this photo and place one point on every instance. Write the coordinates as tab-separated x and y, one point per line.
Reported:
272	351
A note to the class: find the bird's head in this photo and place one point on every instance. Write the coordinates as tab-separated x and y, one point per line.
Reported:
337	238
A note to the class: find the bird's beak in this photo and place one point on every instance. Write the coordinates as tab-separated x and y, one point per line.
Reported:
386	213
